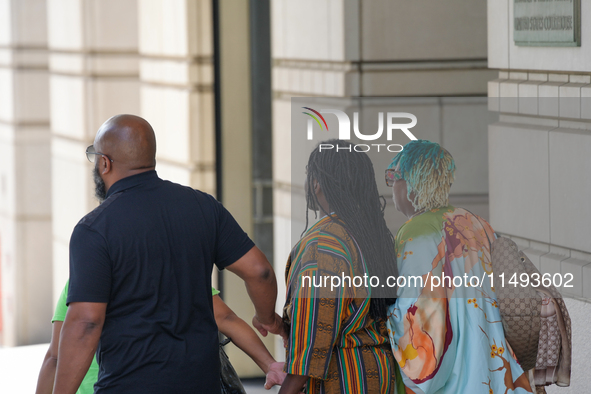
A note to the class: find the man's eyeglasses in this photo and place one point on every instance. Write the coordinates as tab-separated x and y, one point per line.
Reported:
392	174
91	154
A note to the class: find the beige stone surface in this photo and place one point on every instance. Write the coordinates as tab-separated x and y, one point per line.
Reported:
31	89
518	75
72	187
586	102
550	263
10	270
313	30
164	28
109	25
519	199
587	281
173	72
175	94
33	180
167	110
282	141
6	94
34	304
509	93
67	101
6	23
61	268
577	78
428	82
548	93
65	24
535	254
25	192
498	33
570	100
529	120
113	64
465	136
494	92
30	23
521	243
536	76
423	30
110	97
317	80
7	171
528	97
572	268
569	210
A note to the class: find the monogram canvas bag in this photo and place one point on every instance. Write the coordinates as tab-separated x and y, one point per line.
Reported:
535	319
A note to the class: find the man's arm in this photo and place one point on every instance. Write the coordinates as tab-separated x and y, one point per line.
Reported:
261	285
79	339
47	372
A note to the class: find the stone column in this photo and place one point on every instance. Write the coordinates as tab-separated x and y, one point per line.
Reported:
25	188
94	66
175	43
540	162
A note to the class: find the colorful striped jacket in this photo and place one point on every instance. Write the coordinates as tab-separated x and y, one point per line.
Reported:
332	339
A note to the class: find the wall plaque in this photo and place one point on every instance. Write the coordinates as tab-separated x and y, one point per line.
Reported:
550	23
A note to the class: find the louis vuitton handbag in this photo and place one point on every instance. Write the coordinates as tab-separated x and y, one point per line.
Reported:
535	319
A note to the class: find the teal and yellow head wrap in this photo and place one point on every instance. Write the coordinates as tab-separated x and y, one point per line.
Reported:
428	170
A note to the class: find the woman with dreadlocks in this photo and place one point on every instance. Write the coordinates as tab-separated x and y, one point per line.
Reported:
446	338
336	338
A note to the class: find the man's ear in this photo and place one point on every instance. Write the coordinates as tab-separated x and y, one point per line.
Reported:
104	165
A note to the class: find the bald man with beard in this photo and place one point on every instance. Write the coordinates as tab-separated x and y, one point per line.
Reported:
140	275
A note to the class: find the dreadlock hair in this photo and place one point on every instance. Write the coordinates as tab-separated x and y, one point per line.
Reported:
428	170
348	182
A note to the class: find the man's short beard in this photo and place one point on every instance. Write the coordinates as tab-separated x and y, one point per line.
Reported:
100	190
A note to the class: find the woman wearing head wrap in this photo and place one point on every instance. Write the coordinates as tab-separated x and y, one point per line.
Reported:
447	337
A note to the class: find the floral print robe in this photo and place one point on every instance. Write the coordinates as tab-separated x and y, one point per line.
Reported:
447	338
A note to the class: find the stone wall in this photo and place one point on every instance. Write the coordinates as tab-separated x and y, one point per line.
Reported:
539	162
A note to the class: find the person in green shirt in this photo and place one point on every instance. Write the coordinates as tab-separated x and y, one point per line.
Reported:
228	324
47	372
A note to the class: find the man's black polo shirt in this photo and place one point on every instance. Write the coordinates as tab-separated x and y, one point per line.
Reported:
148	251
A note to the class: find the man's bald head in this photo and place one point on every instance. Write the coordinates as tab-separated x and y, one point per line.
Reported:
129	141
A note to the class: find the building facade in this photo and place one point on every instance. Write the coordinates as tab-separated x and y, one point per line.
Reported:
539	162
215	78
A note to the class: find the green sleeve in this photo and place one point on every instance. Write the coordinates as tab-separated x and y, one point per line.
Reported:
214	292
61	308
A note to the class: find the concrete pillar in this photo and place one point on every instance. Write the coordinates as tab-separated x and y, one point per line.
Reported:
540	163
93	61
25	175
175	44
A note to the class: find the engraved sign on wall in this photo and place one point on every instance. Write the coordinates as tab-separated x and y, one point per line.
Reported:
547	22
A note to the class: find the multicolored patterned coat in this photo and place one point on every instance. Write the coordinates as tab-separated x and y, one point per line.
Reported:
449	338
